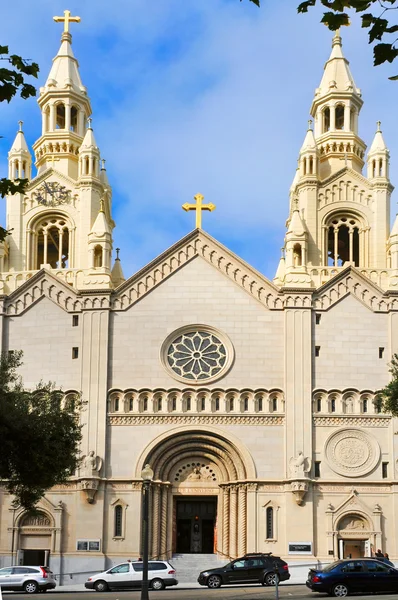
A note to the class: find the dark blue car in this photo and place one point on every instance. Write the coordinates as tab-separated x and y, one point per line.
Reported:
344	577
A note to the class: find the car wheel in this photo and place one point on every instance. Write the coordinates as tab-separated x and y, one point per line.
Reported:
214	581
101	586
340	590
31	587
157	584
270	579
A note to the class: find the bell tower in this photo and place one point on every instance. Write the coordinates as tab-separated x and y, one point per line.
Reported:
64	218
339	217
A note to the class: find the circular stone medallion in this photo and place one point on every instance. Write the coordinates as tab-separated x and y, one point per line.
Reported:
352	452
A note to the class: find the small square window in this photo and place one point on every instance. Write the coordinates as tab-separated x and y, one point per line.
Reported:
75	352
317	350
317	318
381	352
384	470
317	468
75	320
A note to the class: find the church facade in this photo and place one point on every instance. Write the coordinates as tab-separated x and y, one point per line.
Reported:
255	402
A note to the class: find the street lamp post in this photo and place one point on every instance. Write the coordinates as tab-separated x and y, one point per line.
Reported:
147	476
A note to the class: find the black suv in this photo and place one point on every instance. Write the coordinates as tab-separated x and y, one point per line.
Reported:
251	568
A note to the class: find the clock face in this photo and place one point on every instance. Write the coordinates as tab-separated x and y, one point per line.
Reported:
52	193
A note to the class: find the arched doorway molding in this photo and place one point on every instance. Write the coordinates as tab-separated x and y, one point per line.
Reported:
352	521
235	479
28	529
172	442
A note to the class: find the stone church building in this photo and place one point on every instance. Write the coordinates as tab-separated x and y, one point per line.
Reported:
255	402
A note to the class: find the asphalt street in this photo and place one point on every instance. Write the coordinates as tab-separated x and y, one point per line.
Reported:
230	593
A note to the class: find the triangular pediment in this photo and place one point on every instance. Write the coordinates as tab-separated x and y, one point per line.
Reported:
345	171
43	284
38	180
350	281
197	244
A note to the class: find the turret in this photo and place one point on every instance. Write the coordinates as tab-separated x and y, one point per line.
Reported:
335	108
378	157
100	241
308	159
19	158
89	156
117	272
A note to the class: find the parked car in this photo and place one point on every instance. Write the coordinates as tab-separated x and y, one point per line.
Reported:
251	568
26	579
345	576
128	575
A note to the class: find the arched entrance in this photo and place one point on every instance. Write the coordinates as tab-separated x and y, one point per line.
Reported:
354	536
199	493
35	538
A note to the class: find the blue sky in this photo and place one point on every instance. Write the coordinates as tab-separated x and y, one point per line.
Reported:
189	96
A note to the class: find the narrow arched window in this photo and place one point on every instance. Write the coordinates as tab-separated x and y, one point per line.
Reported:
319	405
145	404
311	165
98	256
131	405
339	116
231	404
365	405
297	256
86	166
116	404
333	405
73	118
260	404
352	119
217	404
159	404
246	404
60	117
270	523
326	120
202	403
118	528
274	404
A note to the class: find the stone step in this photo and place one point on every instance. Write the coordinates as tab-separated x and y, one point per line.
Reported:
188	566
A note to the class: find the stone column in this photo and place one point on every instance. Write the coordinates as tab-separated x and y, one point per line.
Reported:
155	520
163	522
242	520
233	521
251	511
225	521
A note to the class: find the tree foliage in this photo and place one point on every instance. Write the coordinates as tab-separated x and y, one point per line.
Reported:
389	394
373	14
13	81
39	433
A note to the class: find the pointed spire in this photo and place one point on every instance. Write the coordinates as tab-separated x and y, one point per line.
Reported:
296	225
378	143
89	139
101	225
337	74
104	176
394	230
309	140
281	270
117	272
64	72
19	144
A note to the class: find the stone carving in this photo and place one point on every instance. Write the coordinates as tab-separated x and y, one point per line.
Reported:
364	421
236	419
349	405
299	465
195	475
89	487
36	520
352	453
351	522
299	489
92	464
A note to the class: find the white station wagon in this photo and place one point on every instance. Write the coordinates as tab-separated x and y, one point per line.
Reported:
128	575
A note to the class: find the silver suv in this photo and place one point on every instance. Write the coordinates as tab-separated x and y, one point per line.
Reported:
27	579
129	575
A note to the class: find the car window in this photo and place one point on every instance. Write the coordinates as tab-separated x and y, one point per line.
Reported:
156	566
23	570
124	568
332	566
375	566
354	566
6	571
239	564
254	563
138	566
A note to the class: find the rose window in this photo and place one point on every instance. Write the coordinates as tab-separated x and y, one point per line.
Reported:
197	355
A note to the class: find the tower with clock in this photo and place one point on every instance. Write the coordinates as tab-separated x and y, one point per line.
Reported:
63	221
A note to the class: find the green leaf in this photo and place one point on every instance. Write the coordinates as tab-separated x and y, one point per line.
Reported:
367	20
304	6
256	2
384	53
378	29
335	21
394	78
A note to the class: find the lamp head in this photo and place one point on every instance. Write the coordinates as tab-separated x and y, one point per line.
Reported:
147	473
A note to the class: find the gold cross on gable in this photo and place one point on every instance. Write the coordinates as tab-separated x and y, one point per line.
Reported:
66	19
199	206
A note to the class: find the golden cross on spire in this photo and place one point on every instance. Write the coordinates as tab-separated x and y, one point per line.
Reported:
199	206
66	19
